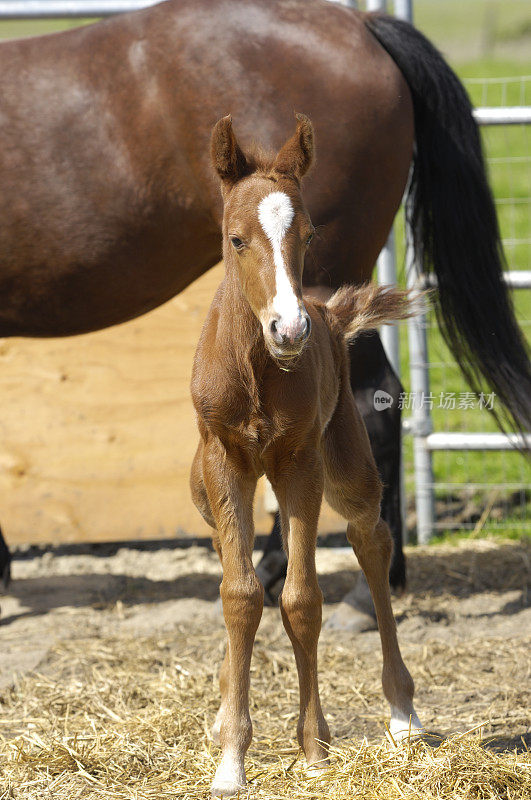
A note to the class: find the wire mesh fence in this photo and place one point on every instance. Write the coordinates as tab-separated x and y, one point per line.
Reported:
483	490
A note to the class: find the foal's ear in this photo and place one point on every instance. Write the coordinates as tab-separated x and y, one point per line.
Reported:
296	156
227	156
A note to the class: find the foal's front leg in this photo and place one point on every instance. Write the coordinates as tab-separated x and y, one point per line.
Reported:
299	493
230	493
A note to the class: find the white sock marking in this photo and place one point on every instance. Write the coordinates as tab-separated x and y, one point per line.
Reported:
230	776
402	724
275	213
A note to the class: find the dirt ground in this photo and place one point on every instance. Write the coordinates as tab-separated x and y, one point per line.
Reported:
464	625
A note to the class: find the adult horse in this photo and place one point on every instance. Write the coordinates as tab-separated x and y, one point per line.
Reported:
109	206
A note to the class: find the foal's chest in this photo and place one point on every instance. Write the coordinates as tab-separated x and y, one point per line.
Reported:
276	414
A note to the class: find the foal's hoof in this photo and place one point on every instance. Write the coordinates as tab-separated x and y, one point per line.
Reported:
229	779
317	770
351	620
226	789
404	727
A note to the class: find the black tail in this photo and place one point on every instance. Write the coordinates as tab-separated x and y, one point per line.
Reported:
454	225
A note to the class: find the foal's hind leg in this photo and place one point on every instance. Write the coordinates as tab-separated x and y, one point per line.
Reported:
299	489
372	545
352	487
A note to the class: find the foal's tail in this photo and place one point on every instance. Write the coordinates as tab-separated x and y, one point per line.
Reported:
362	308
454	225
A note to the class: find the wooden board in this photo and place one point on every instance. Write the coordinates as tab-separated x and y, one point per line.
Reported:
98	431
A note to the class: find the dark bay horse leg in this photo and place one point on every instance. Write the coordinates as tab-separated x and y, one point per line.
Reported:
370	371
274	562
5	562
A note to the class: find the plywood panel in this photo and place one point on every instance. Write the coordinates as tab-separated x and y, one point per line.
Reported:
98	431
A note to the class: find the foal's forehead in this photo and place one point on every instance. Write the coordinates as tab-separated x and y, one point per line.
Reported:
273	206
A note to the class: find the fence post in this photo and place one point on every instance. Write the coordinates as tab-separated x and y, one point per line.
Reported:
404	10
419	377
386	270
376	5
389	334
421	423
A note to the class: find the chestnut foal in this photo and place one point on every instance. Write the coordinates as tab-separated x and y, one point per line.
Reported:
272	393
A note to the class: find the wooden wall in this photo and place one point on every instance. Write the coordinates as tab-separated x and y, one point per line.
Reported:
98	431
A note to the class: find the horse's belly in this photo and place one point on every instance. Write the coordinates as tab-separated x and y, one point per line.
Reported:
82	294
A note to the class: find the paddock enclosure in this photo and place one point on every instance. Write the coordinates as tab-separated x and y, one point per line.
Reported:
111	638
77	467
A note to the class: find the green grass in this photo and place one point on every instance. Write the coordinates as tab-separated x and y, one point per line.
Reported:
483	39
18	29
502	532
469	30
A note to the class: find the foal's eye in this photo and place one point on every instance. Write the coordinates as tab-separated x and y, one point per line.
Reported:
237	243
309	239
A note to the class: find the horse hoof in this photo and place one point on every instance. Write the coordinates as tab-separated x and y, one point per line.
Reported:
317	770
355	614
229	779
227	787
403	728
350	620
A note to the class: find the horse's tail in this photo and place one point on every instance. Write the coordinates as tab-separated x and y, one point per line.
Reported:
361	308
454	226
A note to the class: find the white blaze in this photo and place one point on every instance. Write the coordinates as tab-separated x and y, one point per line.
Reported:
275	213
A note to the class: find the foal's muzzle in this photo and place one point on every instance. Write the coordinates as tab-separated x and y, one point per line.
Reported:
291	335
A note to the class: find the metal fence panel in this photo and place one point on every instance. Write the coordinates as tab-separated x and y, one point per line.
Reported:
51	9
477	478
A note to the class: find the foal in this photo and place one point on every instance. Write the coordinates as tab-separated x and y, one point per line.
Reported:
272	393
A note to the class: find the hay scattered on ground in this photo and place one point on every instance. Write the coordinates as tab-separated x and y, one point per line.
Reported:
129	719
